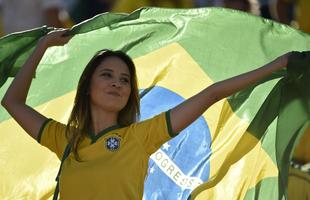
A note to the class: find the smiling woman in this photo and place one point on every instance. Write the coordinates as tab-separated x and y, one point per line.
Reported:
104	151
107	95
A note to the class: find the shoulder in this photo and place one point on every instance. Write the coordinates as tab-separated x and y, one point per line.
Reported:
51	127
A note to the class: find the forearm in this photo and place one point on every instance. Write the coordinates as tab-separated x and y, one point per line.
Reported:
15	98
230	86
187	112
19	87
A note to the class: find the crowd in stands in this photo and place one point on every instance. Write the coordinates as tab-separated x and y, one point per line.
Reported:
16	15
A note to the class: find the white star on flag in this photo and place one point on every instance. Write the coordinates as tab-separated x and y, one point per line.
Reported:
166	146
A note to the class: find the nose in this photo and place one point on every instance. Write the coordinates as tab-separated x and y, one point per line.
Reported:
116	83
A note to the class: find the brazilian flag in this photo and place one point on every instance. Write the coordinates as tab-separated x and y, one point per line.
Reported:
240	148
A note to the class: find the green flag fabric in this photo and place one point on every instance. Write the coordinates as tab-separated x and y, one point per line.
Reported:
239	149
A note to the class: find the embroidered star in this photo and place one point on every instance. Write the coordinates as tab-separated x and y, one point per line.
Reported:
166	146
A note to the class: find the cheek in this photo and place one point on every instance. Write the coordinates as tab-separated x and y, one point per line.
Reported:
127	92
94	97
95	90
95	85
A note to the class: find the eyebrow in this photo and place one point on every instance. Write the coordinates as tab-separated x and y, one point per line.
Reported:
110	70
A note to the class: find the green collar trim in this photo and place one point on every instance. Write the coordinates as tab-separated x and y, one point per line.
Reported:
41	129
94	137
169	126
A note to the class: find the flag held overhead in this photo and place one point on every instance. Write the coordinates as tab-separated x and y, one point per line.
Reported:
238	149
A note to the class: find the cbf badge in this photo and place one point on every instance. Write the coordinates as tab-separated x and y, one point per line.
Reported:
113	143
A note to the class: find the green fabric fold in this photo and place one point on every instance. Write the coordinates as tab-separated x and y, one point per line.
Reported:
289	104
16	48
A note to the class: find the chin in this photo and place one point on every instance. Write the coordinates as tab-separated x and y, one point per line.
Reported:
113	108
107	107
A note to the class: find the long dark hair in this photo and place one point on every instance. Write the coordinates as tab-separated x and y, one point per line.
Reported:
80	122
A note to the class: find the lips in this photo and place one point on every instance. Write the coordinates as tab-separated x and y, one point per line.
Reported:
116	94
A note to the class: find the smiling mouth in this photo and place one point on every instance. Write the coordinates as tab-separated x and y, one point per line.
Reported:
114	94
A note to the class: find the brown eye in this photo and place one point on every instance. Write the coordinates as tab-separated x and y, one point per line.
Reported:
105	74
124	80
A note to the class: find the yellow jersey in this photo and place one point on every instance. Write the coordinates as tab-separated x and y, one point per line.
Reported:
114	162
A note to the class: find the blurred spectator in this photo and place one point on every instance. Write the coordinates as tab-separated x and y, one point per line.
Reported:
301	14
251	6
285	10
1	24
131	5
80	10
20	15
243	5
265	9
69	4
204	3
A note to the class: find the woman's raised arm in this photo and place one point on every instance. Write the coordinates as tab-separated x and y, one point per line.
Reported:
185	113
14	100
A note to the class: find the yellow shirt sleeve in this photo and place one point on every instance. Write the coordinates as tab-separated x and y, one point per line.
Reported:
154	132
52	136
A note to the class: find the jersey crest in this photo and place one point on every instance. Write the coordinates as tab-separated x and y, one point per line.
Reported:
113	143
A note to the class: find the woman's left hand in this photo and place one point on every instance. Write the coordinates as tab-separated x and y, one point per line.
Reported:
298	59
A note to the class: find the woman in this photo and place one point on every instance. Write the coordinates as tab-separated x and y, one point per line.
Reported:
109	151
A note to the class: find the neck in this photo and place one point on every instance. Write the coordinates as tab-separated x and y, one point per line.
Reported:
102	119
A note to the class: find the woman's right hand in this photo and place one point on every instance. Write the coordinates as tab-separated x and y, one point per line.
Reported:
15	98
55	38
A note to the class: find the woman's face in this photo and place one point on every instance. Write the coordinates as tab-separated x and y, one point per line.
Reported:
110	85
